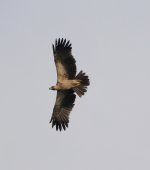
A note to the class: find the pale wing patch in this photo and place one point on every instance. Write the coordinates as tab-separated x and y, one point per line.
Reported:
61	72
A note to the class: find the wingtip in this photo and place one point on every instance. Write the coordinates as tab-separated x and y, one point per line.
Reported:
59	125
62	43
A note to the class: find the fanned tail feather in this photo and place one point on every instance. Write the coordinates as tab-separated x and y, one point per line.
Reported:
84	82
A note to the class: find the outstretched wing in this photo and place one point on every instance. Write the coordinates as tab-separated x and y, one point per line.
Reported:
63	106
64	61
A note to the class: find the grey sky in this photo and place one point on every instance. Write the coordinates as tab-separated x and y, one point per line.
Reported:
109	127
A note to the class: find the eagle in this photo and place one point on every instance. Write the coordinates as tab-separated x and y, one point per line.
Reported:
68	83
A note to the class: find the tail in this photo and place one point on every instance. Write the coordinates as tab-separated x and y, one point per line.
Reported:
84	82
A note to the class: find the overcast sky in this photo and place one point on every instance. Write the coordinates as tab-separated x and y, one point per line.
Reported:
110	126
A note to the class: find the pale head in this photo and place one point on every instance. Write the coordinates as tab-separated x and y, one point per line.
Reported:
52	88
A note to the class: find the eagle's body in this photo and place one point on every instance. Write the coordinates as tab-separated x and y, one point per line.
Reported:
68	83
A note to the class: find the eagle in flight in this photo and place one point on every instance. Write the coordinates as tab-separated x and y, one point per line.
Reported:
68	83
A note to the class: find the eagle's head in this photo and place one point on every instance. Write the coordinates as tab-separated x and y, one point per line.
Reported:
52	88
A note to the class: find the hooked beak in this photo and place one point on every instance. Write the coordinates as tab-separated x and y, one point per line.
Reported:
52	88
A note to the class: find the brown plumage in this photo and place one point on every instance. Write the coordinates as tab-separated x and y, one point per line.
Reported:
68	84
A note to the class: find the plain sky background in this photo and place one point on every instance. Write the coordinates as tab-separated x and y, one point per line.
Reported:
110	126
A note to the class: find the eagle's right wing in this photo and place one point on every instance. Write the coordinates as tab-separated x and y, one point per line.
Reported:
64	61
63	106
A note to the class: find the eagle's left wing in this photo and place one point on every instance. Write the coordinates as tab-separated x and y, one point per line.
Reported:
64	61
63	106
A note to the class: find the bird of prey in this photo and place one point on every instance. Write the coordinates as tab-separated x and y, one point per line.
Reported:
68	83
